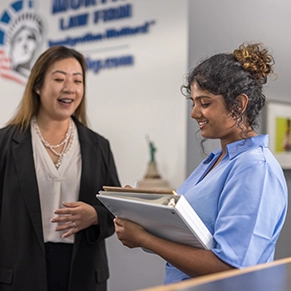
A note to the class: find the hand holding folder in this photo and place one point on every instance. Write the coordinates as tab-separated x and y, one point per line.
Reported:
160	212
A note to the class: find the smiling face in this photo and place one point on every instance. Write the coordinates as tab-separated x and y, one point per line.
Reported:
214	120
62	90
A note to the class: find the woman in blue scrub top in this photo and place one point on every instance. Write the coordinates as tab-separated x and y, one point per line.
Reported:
239	190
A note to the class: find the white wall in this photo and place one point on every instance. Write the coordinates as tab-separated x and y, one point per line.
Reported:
127	103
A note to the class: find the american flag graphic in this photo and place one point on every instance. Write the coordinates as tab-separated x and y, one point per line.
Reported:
5	69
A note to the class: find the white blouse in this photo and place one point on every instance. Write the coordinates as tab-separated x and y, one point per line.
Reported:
56	185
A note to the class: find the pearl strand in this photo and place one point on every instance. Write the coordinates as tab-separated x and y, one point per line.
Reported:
67	142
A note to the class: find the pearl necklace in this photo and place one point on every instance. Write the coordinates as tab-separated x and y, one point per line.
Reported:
66	143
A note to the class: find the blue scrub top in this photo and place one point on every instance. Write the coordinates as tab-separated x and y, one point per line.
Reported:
242	201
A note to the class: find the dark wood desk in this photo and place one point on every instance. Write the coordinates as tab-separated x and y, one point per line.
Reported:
274	276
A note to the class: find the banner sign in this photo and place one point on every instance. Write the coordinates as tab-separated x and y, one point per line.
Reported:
80	24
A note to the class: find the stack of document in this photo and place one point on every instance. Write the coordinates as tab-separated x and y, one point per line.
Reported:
161	212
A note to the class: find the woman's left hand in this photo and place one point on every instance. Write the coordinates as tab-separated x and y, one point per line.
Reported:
74	217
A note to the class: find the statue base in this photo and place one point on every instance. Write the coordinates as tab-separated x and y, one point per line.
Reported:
152	171
154	184
152	178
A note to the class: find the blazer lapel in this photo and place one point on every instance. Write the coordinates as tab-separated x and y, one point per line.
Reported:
24	162
90	154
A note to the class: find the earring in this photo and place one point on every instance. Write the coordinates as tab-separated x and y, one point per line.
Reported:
37	91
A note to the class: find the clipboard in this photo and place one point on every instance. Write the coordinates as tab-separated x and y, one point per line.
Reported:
138	190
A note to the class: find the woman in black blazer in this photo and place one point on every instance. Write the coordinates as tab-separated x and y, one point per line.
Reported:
52	226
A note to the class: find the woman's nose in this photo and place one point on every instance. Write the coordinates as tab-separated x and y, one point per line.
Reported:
194	112
68	86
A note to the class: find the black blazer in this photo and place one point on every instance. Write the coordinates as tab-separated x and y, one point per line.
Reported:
22	254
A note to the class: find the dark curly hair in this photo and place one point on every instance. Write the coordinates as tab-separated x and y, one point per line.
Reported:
242	72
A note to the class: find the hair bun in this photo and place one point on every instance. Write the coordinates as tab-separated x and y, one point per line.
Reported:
255	59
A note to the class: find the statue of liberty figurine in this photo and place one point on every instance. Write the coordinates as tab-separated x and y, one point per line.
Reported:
152	171
152	150
152	179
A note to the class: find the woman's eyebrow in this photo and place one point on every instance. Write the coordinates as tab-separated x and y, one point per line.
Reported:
62	72
201	97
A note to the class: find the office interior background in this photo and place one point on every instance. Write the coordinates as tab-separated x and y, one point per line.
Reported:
138	53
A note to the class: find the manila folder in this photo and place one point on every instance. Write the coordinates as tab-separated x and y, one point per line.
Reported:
167	216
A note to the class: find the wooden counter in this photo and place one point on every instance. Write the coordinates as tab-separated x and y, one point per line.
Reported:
274	276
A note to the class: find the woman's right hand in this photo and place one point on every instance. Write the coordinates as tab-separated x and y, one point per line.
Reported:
129	233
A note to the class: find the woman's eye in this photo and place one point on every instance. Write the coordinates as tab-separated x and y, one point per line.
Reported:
204	105
59	80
